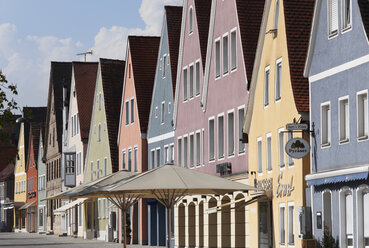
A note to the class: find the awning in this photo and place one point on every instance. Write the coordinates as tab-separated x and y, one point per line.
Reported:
338	179
8	205
27	205
64	208
254	198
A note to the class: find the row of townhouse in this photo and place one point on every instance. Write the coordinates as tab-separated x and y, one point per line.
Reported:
214	93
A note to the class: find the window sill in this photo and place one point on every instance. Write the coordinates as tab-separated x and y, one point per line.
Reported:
325	144
278	99
333	34
346	29
344	141
364	137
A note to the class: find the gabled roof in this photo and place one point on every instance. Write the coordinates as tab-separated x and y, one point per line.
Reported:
173	22
35	132
203	8
112	75
250	13
144	53
60	76
364	11
298	20
85	82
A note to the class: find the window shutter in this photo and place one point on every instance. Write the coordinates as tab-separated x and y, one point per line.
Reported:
333	16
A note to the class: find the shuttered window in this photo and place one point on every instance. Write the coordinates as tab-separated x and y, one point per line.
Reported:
332	17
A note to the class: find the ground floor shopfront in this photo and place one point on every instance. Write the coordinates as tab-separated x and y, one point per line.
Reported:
32	218
340	206
19	219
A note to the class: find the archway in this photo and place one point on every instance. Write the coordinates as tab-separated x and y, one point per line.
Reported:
213	237
181	226
191	227
226	222
240	225
201	224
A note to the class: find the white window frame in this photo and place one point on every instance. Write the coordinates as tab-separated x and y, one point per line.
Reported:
157	157
220	156
163	72
190	20
365	117
152	158
269	153
266	87
291	161
209	157
217	75
185	150
342	217
225	72
276	16
99	133
124	159
185	71
259	155
197	75
198	147
282	225
348	26
132	107
329	120
129	158
346	139
202	146
233	30
98	168
179	151
192	149
135	160
127	112
240	135
277	63
192	82
162	113
105	166
166	154
361	215
291	204
281	153
171	150
231	155
331	32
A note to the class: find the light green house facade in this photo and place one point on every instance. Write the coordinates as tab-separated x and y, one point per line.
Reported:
102	152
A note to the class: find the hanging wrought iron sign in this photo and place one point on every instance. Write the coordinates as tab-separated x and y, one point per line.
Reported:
297	148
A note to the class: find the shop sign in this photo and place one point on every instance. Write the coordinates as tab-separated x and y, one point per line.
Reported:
264	184
297	148
297	126
284	189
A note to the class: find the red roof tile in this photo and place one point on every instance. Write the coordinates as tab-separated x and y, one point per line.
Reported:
85	82
250	13
144	55
203	8
298	20
174	19
112	73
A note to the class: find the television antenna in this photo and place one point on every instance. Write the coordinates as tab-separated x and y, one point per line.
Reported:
85	54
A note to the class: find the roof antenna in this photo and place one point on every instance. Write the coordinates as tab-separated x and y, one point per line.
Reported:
85	54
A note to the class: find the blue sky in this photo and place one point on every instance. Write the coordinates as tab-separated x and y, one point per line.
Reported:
35	32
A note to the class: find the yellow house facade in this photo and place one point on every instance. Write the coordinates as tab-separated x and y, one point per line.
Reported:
20	185
278	96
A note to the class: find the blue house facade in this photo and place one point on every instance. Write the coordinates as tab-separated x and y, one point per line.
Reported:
160	133
337	66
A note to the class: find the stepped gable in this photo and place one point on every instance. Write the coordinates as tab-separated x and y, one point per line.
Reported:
85	82
203	9
174	20
298	21
144	54
250	14
112	74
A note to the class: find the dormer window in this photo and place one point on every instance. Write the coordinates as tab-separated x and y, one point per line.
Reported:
190	17
346	14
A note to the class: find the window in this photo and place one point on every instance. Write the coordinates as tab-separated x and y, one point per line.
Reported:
164	65
166	154
191	81
217	58
158	157
185	153
365	218
80	215
185	84
241	120
281	147
105	166
129	159
326	124
259	155
230	134
290	159
92	171
225	54
362	115
98	169
100	101
344	125
221	136
269	152
99	133
69	163
348	217
327	210
72	131
291	230
233	50
203	146
129	71
171	150
332	17
162	112
266	86
79	163
41	217
169	107
136	159
152	159
124	159
127	112
190	17
282	231
132	111
179	152
211	140
192	151
198	148
276	15
197	68
278	79
346	14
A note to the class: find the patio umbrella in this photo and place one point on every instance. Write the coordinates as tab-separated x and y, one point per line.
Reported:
169	184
